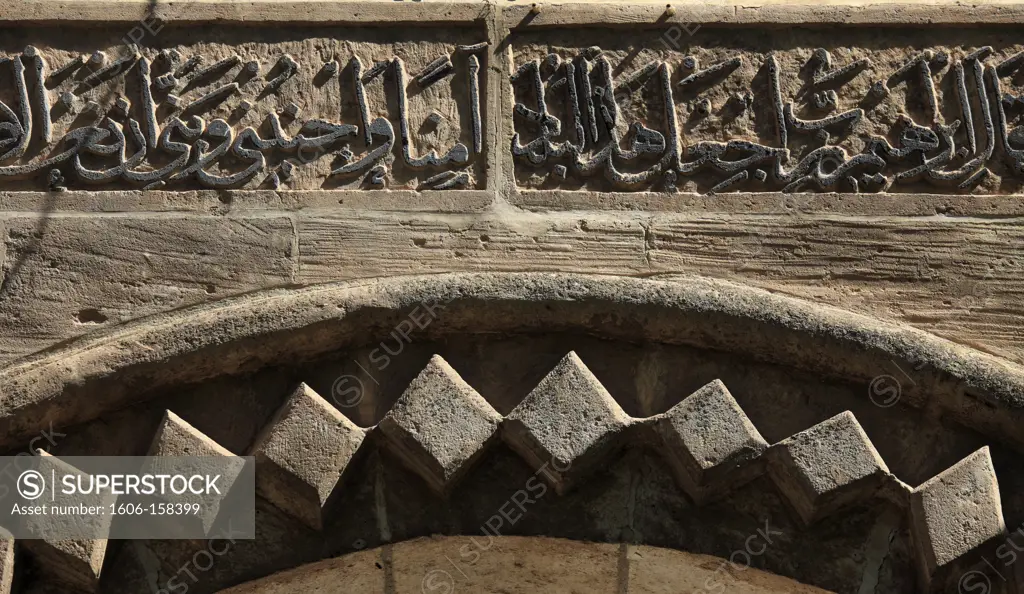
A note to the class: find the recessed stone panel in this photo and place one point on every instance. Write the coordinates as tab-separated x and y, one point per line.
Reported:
714	109
219	107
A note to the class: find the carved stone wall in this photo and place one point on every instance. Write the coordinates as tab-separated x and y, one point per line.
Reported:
320	188
730	267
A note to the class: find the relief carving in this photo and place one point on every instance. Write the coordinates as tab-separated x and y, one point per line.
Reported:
733	112
351	116
568	428
714	117
667	412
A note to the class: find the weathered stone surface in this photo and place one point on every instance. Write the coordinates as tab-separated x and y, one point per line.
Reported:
870	265
675	110
176	438
566	423
696	312
76	563
272	103
6	561
710	442
862	155
827	466
495	241
522	565
561	398
440	424
302	453
653	570
59	281
358	571
954	514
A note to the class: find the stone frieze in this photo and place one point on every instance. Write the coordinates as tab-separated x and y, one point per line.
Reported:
321	111
762	110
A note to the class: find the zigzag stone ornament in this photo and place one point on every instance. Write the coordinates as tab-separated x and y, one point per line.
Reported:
150	119
583	296
489	405
819	471
710	442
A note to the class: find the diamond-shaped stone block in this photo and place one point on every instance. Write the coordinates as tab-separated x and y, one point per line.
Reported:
176	437
565	425
74	562
302	453
709	442
439	425
956	513
827	467
194	453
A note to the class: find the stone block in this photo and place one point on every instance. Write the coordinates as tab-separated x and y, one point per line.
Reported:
566	424
74	562
709	442
827	467
302	453
440	425
954	514
177	439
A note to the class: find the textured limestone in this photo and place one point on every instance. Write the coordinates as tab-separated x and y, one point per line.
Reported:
653	570
828	466
82	271
440	425
357	571
954	514
818	470
59	281
301	454
566	423
709	441
176	438
832	98
6	562
244	334
272	101
76	563
884	259
524	565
